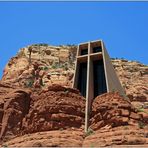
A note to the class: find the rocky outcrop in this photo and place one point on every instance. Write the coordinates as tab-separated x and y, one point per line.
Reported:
57	138
14	107
134	78
30	111
56	108
112	110
115	121
123	135
5	89
56	118
46	64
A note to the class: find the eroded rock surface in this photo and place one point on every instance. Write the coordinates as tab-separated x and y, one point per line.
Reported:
112	110
14	106
63	138
122	135
36	110
54	109
115	121
49	64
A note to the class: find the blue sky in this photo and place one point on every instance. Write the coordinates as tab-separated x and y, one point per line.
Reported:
123	26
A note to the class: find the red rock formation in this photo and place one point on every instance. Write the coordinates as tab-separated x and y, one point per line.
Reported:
54	109
35	112
113	110
56	118
57	138
122	135
16	106
115	121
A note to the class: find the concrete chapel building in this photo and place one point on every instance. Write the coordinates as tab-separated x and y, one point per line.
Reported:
94	73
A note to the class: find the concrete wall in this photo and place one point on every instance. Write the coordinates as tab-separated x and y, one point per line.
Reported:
113	83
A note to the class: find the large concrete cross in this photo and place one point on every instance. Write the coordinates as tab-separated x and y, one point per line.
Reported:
94	74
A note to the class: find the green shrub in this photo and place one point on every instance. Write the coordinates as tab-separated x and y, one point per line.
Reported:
4	145
66	91
91	145
89	132
126	127
44	68
29	83
65	67
141	124
55	65
40	44
61	129
42	83
21	54
141	110
71	45
113	90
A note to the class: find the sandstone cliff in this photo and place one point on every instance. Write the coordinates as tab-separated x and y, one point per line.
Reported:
38	107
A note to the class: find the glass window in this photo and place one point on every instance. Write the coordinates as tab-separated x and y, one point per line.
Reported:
84	51
97	49
99	78
82	78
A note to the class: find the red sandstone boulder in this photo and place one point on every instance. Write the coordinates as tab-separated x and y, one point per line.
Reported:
53	109
113	110
114	121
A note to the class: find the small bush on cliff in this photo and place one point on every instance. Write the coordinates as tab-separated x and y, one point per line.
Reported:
61	129
55	65
40	44
141	109
44	68
126	127
29	83
146	135
42	83
92	145
65	67
3	146
113	90
66	91
141	124
89	132
21	54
